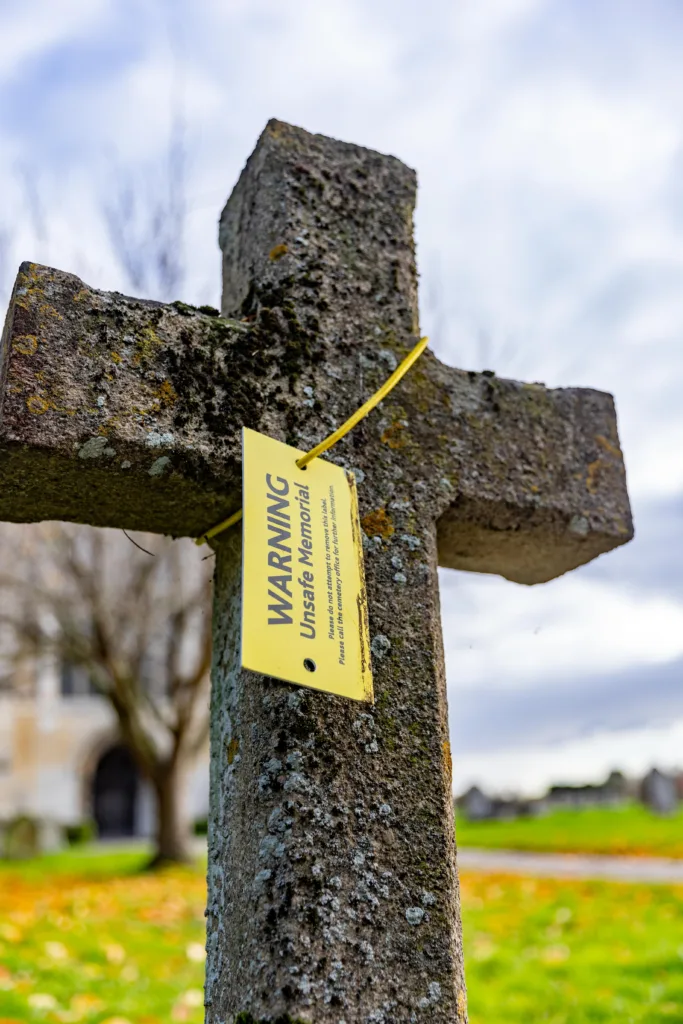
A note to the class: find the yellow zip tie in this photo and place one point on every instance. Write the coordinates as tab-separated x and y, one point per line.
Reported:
399	372
396	376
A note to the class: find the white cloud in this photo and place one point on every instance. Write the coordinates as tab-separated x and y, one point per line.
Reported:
497	633
479	21
30	30
567	134
532	770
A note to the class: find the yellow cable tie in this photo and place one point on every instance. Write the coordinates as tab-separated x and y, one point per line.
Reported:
396	376
225	525
392	381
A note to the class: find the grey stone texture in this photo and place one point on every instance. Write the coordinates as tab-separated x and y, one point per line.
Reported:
329	820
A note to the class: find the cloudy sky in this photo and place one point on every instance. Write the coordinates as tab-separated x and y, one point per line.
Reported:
548	140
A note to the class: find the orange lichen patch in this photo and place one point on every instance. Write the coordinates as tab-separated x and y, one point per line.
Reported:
278	252
447	759
82	294
461	1007
148	339
47	310
25	344
378	524
593	476
37	405
613	449
30	285
394	436
115	357
166	394
233	747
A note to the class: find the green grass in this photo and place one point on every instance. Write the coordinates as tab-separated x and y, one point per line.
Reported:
628	830
562	952
87	862
83	937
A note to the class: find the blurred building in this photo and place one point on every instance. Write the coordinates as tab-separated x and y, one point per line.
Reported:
659	791
611	793
62	762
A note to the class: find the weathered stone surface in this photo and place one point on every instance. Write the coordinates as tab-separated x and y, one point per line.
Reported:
332	885
128	413
99	422
331	824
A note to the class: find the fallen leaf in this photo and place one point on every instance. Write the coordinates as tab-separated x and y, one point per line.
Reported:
42	1001
56	950
193	997
196	952
114	953
85	1002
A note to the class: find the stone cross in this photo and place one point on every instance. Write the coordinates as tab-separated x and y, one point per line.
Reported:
333	894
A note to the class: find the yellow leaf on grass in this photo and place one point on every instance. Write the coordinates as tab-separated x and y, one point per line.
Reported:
193	997
42	1001
556	954
85	1003
196	952
484	948
114	953
56	951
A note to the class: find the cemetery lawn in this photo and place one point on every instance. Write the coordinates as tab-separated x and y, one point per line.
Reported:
89	937
86	936
630	830
545	950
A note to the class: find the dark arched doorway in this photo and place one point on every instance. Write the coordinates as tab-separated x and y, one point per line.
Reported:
116	787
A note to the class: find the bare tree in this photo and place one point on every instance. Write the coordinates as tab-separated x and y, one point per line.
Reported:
145	216
140	625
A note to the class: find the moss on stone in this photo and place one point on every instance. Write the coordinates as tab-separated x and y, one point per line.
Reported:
184	307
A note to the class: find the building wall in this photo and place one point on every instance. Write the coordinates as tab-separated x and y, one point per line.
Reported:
49	748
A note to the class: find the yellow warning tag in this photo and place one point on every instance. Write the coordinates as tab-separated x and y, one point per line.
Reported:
304	610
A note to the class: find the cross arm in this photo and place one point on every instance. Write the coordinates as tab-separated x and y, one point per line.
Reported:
122	412
532	479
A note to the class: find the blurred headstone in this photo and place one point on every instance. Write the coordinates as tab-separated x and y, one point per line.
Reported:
476	805
659	792
21	838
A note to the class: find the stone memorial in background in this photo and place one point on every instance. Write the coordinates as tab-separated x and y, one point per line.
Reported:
659	792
